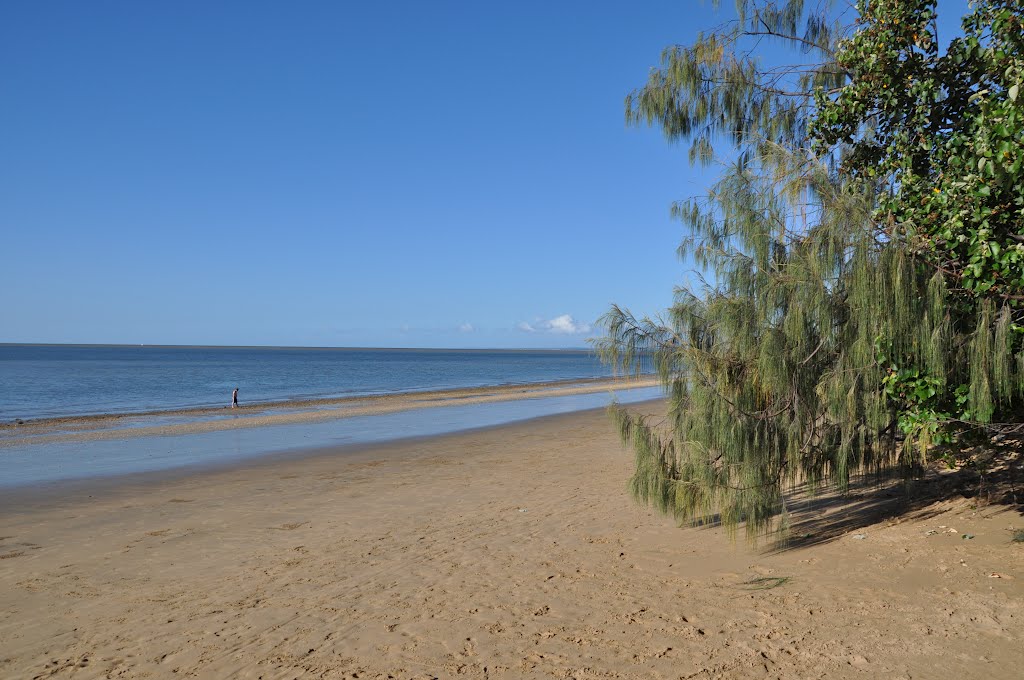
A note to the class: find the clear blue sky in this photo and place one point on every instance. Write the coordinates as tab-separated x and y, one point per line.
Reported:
416	174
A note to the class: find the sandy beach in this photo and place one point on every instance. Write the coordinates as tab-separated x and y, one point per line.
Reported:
512	552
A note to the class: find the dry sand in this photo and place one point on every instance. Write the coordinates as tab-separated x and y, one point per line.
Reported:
512	552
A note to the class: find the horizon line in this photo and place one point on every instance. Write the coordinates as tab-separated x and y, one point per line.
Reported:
309	347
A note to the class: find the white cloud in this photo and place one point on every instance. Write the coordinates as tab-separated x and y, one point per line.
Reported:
561	325
566	324
466	328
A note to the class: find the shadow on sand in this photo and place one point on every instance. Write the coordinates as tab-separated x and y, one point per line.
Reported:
815	520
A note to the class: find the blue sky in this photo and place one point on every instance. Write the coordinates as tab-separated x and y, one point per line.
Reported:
442	174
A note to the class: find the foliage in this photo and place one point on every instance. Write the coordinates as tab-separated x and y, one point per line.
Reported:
946	136
942	136
830	338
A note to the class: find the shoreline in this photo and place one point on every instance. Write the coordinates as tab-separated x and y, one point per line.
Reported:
211	419
183	378
38	496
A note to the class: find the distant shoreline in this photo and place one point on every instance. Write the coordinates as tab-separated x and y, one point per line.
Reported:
208	419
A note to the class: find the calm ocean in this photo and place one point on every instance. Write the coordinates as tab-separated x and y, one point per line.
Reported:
47	381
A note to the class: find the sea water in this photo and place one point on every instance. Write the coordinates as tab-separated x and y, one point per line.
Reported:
45	381
38	381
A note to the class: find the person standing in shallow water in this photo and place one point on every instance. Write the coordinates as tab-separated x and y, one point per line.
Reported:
234	398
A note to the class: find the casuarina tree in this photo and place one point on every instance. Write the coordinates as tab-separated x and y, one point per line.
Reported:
830	335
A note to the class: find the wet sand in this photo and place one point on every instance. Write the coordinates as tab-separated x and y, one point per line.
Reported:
197	420
512	552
